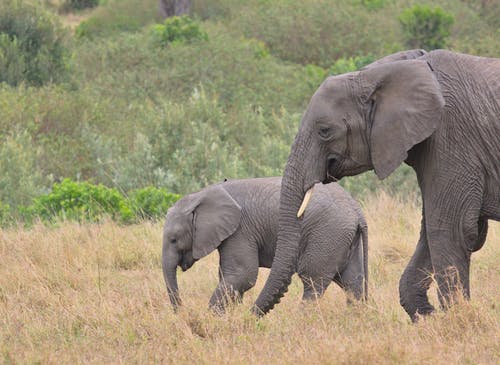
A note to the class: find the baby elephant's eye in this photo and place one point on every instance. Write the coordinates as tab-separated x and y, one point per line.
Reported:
324	132
173	241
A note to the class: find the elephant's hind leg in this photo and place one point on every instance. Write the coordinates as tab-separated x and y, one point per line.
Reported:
416	280
314	288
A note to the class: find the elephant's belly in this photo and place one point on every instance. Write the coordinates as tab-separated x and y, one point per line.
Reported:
491	205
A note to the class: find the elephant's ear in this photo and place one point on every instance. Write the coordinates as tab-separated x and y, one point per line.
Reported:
216	217
405	107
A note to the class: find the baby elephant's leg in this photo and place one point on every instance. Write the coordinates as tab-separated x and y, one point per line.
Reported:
238	271
352	277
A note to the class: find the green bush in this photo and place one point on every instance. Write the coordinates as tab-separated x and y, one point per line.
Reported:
425	27
151	203
32	45
319	32
21	179
178	29
235	69
83	201
344	65
116	16
6	217
80	201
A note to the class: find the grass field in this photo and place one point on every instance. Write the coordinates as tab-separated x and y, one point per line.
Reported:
95	294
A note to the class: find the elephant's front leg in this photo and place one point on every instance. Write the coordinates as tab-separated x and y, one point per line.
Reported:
416	280
239	267
224	294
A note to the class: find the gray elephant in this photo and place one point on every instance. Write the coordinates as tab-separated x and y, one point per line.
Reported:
240	219
438	112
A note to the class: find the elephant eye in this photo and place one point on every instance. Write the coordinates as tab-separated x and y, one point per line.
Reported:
324	132
173	241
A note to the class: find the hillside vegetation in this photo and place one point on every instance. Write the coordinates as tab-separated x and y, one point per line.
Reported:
105	99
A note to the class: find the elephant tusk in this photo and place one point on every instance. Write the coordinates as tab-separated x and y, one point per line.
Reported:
303	207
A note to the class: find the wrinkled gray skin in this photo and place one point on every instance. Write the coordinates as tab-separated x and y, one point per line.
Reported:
240	219
438	112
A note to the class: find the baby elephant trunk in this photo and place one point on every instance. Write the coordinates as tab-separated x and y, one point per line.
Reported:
170	261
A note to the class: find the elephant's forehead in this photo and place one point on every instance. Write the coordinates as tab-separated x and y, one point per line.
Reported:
174	218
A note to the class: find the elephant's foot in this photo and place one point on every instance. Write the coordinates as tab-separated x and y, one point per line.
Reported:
413	295
453	287
422	310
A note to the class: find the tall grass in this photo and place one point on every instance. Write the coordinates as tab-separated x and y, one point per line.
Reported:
95	294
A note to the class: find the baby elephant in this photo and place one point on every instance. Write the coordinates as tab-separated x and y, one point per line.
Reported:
240	219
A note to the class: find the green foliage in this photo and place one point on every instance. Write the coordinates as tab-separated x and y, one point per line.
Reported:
32	45
425	27
21	179
69	5
80	201
151	203
373	4
318	32
83	201
6	217
214	9
135	115
344	65
178	29
116	16
235	69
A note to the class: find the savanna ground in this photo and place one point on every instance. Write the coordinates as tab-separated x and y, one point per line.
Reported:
95	294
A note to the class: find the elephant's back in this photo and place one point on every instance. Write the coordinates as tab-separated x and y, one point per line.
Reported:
332	194
331	202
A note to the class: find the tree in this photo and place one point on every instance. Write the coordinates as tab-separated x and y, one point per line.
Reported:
168	8
425	27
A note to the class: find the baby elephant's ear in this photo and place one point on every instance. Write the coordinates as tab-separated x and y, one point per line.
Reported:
216	217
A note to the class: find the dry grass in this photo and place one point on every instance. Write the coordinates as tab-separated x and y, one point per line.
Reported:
95	294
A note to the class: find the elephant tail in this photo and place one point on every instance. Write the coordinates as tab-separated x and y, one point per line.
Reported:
363	227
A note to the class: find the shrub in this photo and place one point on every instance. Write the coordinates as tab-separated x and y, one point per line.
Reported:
425	27
32	45
116	16
344	65
318	32
151	203
80	201
6	218
20	180
373	4
178	29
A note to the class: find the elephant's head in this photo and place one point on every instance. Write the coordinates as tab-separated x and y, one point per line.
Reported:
195	226
354	122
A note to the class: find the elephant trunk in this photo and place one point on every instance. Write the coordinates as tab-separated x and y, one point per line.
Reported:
170	260
287	246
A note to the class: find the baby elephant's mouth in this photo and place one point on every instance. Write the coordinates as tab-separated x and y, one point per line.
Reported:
186	263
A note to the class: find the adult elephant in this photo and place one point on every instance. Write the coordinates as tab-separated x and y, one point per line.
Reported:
438	112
